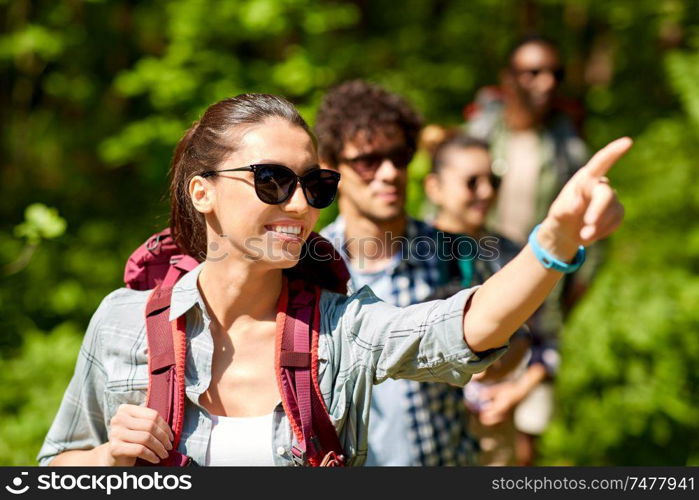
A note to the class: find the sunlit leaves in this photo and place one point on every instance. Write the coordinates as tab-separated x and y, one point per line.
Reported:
40	222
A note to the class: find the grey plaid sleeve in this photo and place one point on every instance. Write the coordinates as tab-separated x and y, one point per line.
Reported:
79	423
423	342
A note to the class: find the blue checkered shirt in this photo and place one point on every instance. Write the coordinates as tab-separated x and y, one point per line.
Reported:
438	418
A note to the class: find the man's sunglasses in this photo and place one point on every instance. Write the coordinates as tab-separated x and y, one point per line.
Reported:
274	184
367	164
473	181
558	73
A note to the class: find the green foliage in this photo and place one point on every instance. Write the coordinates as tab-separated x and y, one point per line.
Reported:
40	222
628	387
33	383
684	72
97	94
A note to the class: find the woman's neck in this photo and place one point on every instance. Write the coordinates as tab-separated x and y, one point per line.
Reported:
232	289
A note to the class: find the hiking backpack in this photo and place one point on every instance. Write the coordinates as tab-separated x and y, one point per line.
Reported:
158	264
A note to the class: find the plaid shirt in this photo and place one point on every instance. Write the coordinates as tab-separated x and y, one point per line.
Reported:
438	416
362	342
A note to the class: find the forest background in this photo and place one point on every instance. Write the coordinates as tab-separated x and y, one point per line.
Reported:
94	94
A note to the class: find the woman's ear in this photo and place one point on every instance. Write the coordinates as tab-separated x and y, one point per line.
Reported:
202	194
433	188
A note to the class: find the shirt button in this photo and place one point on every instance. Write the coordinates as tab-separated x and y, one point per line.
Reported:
281	451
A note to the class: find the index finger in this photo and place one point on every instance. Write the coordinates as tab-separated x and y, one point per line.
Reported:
606	157
151	414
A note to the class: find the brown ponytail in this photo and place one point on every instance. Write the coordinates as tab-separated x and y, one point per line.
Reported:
204	146
186	223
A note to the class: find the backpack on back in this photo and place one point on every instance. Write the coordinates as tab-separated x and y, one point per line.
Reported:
158	264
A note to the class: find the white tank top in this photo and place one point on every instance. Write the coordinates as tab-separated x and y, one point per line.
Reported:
240	441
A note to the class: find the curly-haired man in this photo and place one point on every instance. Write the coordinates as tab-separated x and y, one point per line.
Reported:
370	136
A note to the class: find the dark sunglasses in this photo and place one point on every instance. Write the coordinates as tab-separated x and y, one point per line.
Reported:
367	164
274	184
558	73
473	181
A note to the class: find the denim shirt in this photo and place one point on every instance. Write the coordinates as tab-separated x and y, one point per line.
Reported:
362	341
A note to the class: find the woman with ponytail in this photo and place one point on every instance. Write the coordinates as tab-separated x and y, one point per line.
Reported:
246	191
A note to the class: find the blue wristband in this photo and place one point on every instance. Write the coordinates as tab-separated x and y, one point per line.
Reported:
549	261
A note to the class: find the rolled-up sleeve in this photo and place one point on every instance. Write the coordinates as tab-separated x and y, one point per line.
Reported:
79	423
423	342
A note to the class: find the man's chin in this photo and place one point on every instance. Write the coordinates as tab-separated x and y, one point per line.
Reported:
541	106
384	216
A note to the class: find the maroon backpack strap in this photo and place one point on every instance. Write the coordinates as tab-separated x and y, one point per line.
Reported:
166	391
179	266
298	319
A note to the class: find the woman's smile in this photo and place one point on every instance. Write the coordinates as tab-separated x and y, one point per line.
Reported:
287	231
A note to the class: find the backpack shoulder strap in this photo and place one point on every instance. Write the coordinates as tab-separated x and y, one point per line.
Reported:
298	320
166	368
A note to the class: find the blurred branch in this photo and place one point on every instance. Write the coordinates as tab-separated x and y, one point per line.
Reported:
22	261
40	223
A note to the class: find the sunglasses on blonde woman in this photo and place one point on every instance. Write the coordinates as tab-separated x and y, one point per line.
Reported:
274	184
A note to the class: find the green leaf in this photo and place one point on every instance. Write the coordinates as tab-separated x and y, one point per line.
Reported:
40	222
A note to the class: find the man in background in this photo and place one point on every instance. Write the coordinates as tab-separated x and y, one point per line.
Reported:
370	136
535	145
536	149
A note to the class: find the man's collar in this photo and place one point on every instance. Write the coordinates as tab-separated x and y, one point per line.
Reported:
414	230
418	235
185	294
